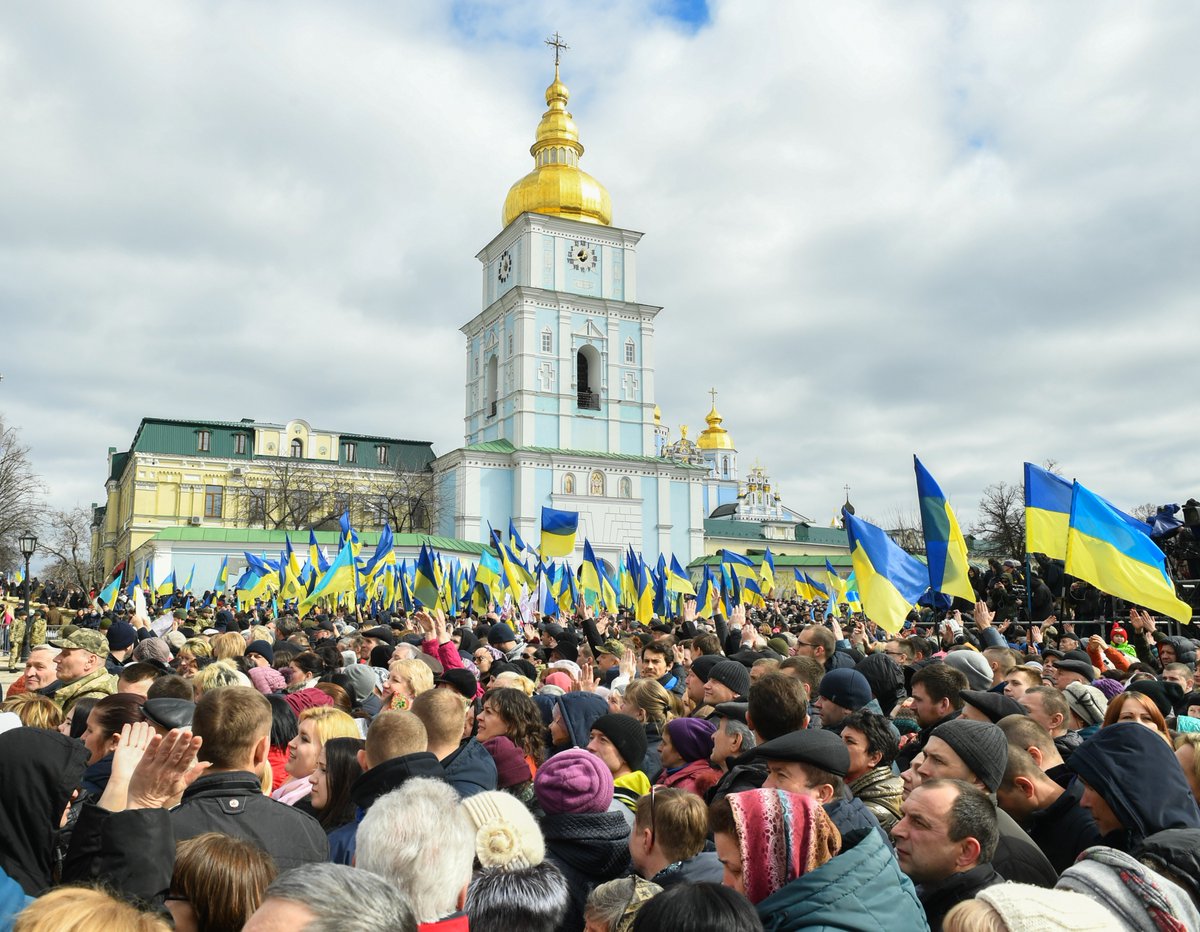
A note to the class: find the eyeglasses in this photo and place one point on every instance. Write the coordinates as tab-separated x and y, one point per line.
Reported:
894	653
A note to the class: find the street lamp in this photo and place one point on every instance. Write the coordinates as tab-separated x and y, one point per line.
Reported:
28	544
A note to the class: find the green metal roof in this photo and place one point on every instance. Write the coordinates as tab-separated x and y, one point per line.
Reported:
505	446
783	560
751	530
258	536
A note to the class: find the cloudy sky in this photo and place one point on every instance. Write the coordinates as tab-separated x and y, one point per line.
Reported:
965	230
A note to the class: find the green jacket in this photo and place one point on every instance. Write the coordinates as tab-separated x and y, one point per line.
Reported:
97	684
860	890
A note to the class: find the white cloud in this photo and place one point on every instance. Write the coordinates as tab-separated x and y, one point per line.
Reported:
965	231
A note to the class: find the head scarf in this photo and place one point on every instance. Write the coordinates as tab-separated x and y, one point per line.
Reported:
781	836
1142	899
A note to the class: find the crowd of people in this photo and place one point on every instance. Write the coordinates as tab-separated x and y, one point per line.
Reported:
780	769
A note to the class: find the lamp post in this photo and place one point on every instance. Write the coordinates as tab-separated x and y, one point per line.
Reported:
28	544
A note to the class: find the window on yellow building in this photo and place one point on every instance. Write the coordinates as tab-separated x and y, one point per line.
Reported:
214	501
297	448
202	441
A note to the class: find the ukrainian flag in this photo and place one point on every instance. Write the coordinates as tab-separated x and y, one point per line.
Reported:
889	580
945	547
706	598
425	582
514	539
645	595
488	574
766	573
108	595
677	579
187	587
589	571
221	583
1113	552
167	586
802	590
316	557
558	532
1047	512
337	580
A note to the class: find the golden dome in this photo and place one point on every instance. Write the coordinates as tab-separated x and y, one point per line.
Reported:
557	185
657	414
714	437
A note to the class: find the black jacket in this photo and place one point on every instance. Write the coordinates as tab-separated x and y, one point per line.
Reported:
652	763
589	848
234	804
745	773
703	868
131	852
1064	829
905	758
470	769
1175	853
1017	858
939	898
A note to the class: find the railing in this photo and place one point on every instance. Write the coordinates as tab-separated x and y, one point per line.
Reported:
589	401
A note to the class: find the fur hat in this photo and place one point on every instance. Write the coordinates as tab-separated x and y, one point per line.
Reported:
506	835
573	781
522	898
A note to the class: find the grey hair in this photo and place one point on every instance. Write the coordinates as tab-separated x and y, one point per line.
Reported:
606	904
344	899
406	651
734	727
421	841
532	899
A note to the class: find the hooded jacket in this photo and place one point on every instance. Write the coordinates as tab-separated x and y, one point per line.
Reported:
1136	773
381	779
39	770
579	710
470	769
1175	854
860	889
589	848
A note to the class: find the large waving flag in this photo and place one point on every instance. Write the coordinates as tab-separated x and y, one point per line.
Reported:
1113	552
558	532
187	586
167	586
514	539
221	583
339	579
889	580
425	580
945	548
766	573
316	556
706	598
1047	512
677	580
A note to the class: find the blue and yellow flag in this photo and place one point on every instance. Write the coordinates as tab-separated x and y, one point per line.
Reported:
187	586
108	595
766	573
514	539
677	580
558	532
706	597
889	580
489	572
1113	552
339	579
167	586
221	583
644	612
590	574
802	590
945	547
1047	512
316	558
425	581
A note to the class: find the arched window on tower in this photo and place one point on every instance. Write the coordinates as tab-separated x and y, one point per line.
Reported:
569	484
547	340
725	466
630	352
297	448
596	484
626	487
491	387
587	377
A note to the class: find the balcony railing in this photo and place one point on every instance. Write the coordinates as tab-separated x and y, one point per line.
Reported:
589	401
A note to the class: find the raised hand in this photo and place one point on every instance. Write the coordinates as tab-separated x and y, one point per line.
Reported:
628	663
982	614
131	746
167	768
689	610
587	677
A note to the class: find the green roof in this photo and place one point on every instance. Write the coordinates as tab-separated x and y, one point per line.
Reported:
505	446
783	560
259	536
752	530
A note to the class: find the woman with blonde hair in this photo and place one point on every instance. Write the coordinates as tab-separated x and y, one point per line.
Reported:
82	909
317	725
228	646
647	701
217	674
218	881
34	710
407	679
187	661
512	680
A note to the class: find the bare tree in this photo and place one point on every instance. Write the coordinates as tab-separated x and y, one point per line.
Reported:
1001	517
407	501
67	540
904	527
21	491
1145	512
294	495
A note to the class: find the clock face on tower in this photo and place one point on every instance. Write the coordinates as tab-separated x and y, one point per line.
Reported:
504	266
582	256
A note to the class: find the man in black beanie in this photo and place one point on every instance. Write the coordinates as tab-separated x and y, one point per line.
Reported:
977	753
727	681
620	742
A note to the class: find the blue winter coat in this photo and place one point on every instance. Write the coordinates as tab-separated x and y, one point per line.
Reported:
860	890
470	769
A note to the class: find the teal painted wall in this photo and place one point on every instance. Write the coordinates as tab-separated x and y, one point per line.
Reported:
680	544
495	497
649	490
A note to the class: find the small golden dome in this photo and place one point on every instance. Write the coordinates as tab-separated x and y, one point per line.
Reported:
714	437
657	414
557	185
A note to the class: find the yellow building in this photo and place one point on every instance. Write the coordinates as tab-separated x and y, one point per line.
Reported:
252	475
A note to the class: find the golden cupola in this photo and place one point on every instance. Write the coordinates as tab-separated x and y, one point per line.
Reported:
557	185
714	437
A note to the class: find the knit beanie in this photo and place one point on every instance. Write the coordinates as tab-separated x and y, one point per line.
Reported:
152	650
1026	908
1087	702
500	633
573	781
973	665
702	665
846	687
511	766
779	645
121	634
981	745
506	835
1163	694
1117	630
732	674
263	649
559	679
692	737
1111	688
627	735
